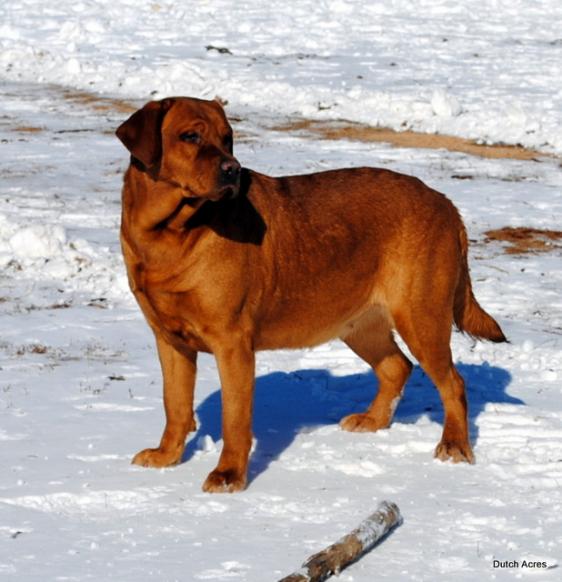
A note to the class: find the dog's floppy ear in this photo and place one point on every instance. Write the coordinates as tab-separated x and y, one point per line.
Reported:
141	133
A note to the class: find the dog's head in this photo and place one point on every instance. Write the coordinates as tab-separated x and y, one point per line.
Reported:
186	142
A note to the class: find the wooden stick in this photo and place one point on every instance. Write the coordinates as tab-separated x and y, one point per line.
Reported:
350	548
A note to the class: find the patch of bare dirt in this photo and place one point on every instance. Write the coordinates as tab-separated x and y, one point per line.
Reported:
99	103
521	239
407	139
27	129
122	106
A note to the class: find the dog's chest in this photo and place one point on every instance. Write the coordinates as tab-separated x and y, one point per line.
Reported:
167	311
170	314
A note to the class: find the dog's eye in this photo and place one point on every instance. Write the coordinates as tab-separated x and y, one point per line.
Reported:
190	137
227	141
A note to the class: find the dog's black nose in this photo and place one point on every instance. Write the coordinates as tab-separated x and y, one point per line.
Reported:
230	170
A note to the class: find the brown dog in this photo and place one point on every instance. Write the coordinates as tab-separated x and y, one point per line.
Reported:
225	260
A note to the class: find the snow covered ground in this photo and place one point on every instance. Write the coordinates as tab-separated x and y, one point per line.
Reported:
485	70
79	378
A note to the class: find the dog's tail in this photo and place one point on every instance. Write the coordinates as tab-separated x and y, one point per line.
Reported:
469	316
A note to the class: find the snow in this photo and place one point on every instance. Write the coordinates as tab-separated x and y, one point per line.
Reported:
80	382
484	70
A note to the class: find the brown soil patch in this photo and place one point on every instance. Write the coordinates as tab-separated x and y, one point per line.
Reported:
330	130
523	240
406	139
27	129
99	103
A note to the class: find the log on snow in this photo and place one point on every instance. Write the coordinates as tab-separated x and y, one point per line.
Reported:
350	548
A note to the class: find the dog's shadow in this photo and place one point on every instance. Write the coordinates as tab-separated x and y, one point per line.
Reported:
288	403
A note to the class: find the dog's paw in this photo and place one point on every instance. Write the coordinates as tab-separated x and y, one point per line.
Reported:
157	458
361	423
224	482
455	452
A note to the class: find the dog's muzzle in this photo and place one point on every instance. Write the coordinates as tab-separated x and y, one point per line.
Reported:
229	178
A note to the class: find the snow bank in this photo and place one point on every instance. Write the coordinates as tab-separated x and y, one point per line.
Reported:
38	241
45	254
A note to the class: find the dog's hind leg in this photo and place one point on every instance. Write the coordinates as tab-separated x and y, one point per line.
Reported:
428	334
371	339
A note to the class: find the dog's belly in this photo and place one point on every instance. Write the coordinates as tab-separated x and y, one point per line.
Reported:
284	324
287	337
311	322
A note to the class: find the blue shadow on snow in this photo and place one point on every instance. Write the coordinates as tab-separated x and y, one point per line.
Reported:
286	404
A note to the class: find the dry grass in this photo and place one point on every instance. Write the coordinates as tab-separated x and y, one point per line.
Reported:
31	349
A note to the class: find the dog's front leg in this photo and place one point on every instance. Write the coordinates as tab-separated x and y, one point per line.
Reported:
236	365
178	371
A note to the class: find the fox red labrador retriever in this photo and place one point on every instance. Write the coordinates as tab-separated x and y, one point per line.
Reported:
226	260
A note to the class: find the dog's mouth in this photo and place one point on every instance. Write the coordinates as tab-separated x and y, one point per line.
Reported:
229	192
224	193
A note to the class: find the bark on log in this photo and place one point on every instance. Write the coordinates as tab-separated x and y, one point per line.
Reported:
350	548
